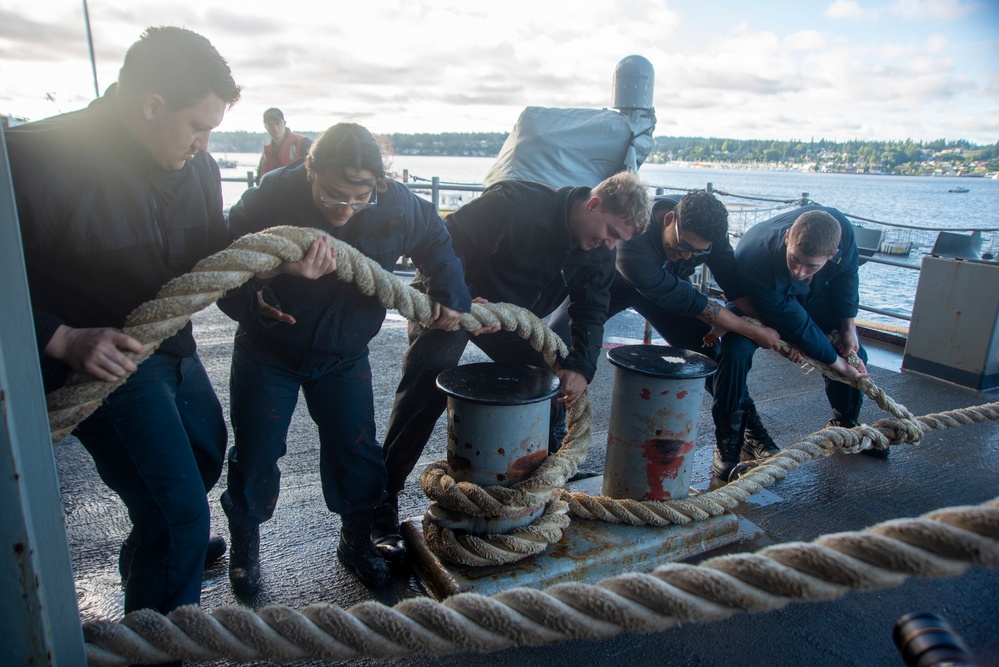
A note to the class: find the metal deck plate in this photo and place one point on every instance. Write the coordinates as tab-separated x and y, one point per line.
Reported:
588	552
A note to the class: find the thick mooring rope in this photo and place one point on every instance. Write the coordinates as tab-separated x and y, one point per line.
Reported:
820	444
943	543
472	550
156	320
211	278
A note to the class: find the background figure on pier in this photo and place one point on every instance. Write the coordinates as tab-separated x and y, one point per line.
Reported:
285	146
799	271
653	277
114	201
530	245
309	331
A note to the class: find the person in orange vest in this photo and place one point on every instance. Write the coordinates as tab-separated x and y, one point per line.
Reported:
285	146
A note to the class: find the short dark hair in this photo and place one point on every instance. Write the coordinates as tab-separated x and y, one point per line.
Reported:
179	65
346	146
701	213
815	233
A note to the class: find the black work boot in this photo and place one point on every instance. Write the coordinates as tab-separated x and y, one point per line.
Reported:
728	446
385	533
356	551
216	549
757	443
244	560
843	422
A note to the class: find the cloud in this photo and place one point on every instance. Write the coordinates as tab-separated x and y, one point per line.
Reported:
454	65
847	9
806	40
945	10
238	22
23	38
936	43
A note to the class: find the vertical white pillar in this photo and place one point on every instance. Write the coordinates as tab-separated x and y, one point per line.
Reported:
38	610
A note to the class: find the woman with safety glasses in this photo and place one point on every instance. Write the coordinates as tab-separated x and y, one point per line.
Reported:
304	329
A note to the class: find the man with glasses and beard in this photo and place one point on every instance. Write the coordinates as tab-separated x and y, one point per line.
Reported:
653	277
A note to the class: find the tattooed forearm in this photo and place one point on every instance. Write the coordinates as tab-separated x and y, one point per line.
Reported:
710	312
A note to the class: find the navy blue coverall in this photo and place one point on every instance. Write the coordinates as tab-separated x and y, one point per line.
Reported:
325	353
515	245
103	229
803	312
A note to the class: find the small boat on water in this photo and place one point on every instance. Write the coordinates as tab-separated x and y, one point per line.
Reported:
959	189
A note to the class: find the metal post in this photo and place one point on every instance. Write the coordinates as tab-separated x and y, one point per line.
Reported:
435	192
38	611
90	43
711	187
497	433
655	407
250	180
804	199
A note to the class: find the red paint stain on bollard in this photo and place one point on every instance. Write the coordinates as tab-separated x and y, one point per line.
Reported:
663	460
646	394
664	392
681	394
525	465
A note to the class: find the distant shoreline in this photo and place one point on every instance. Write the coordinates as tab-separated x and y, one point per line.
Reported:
750	166
252	157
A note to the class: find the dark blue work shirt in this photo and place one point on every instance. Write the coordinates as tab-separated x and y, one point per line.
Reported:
800	310
642	264
333	318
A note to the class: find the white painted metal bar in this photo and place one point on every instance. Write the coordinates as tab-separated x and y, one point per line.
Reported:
38	610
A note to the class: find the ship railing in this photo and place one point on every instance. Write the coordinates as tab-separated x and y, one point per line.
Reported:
444	196
250	179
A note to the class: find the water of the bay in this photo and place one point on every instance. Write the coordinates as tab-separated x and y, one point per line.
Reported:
921	201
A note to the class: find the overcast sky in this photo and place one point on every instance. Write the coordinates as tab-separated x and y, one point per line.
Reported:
801	69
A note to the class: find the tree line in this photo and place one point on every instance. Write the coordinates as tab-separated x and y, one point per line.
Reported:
455	144
891	157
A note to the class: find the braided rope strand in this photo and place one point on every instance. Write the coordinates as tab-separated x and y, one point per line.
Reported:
942	543
154	321
673	594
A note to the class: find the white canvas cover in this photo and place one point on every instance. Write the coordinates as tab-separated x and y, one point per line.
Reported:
573	147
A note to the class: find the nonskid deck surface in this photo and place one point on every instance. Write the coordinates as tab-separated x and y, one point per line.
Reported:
840	493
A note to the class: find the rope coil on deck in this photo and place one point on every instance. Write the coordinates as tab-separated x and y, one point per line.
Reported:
943	543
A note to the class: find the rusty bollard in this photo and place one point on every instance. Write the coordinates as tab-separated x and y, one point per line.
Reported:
655	407
498	418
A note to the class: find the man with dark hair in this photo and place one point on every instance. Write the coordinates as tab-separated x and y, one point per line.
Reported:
653	277
285	146
530	245
114	201
799	271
